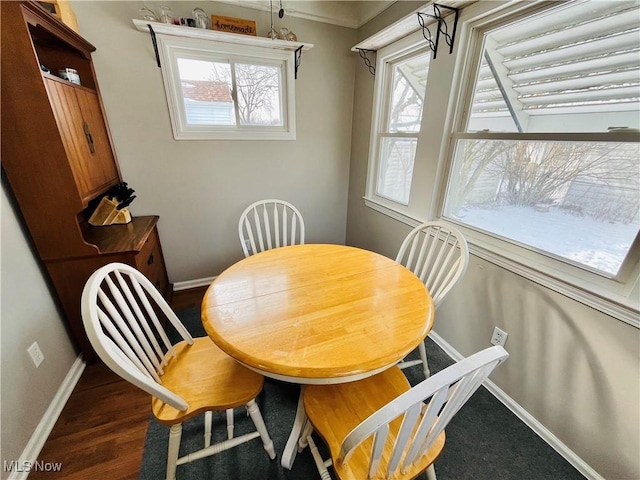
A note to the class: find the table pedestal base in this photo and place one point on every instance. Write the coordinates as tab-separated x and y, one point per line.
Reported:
291	448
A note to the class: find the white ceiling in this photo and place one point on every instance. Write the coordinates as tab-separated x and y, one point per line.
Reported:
352	13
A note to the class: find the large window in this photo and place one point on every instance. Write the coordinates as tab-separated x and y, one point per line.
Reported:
548	155
217	91
529	142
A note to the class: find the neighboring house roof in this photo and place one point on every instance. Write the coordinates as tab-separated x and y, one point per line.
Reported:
206	91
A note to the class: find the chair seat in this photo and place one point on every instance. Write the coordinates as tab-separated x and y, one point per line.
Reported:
335	410
207	378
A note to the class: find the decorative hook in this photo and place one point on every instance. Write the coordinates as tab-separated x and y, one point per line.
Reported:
363	54
442	28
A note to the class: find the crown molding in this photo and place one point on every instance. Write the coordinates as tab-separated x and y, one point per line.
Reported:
350	14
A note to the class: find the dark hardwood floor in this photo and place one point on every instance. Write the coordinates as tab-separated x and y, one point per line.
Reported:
101	430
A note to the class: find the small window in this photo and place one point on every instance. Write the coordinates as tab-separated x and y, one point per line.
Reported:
401	79
217	91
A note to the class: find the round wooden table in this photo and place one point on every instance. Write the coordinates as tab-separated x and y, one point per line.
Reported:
317	314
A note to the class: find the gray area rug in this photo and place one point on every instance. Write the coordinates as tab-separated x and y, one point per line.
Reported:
485	441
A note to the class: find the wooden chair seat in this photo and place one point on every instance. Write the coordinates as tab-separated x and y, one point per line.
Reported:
382	428
335	410
190	375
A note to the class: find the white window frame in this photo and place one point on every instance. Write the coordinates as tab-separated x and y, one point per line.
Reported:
452	77
171	48
413	44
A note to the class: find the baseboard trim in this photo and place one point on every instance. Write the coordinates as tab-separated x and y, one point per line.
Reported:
198	282
542	431
49	419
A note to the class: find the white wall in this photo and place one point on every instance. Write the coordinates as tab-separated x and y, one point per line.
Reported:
28	314
200	188
576	370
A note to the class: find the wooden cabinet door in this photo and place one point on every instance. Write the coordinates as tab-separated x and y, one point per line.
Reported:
84	134
103	166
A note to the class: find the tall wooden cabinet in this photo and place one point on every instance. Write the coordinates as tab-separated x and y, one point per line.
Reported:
58	159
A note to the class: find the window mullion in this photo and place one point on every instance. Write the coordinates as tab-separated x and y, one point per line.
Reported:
234	93
620	136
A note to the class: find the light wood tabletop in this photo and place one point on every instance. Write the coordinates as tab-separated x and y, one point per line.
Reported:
317	313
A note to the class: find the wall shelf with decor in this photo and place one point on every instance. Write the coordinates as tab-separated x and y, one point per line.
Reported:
212	35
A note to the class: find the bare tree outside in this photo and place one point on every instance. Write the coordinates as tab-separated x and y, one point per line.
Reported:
522	173
398	154
257	91
406	107
580	201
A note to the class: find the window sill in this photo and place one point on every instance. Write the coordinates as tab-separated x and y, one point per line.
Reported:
391	212
223	37
616	306
245	134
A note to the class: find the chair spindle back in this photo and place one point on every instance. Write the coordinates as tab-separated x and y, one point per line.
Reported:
120	308
438	254
448	390
268	224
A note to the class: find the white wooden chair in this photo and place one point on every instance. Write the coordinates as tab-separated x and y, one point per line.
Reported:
438	254
381	428
268	224
122	312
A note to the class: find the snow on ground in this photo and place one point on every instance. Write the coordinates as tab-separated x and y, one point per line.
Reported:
597	244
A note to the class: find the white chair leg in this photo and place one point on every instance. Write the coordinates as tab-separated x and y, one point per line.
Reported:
423	355
304	440
208	420
256	416
175	434
431	473
230	425
322	469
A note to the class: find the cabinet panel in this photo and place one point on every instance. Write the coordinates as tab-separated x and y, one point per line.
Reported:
79	118
103	169
150	262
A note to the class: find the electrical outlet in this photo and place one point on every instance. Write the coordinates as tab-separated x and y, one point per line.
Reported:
36	354
247	243
499	337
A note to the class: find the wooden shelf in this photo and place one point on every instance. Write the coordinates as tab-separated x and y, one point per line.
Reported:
212	35
129	237
55	78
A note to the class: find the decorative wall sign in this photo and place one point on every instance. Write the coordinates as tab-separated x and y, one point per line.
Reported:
233	25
